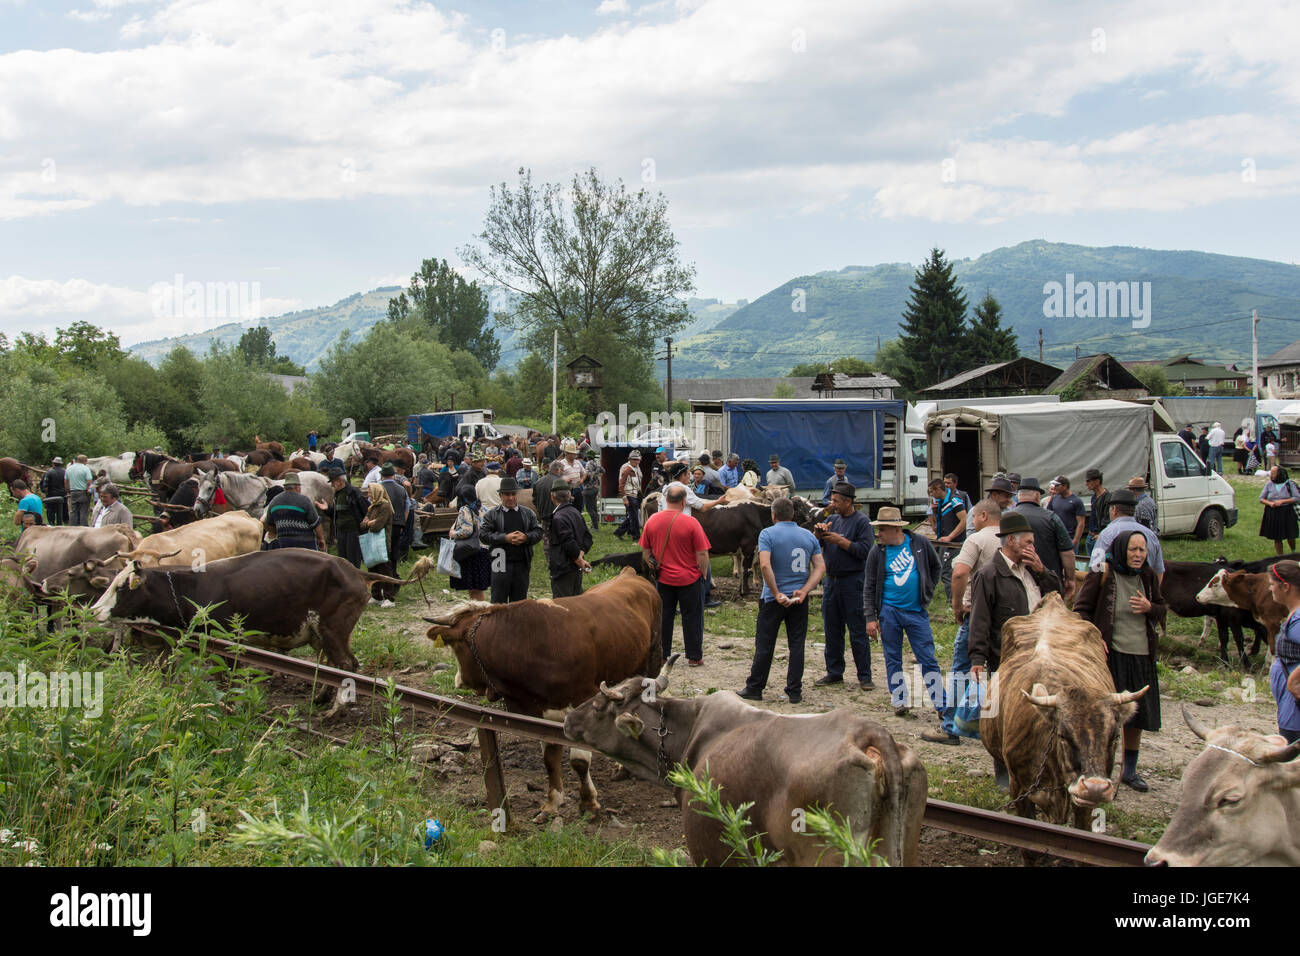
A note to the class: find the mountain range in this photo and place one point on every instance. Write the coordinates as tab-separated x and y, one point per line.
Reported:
1196	302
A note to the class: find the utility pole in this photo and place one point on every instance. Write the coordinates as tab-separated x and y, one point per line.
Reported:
555	376
1076	353
1254	352
668	380
1040	345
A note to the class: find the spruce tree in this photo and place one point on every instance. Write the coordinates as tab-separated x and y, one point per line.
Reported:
934	333
988	341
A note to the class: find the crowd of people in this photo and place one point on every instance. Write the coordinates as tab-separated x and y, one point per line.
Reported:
995	556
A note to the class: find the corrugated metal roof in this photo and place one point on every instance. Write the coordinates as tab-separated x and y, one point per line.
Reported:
717	389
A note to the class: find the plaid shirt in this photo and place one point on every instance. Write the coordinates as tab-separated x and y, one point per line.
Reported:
1288	640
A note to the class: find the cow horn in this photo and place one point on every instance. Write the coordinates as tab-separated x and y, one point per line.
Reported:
1040	700
661	682
1195	724
1282	754
1129	695
613	693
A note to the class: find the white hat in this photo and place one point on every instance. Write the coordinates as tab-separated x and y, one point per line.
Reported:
569	445
528	462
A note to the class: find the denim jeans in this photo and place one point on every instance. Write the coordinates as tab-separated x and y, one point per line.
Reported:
958	675
690	597
842	607
1216	458
631	523
770	616
893	623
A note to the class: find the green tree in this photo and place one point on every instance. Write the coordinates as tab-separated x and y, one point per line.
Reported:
600	257
182	373
933	327
783	390
85	345
390	373
258	349
847	365
1155	381
456	310
241	400
987	340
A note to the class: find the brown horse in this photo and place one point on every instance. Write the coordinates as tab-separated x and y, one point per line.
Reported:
398	456
277	469
11	469
274	447
164	474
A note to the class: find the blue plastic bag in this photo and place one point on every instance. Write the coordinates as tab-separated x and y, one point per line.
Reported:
374	548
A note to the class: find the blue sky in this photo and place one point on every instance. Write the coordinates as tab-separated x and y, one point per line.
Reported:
317	148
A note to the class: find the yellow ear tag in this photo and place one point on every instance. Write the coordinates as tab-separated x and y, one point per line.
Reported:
438	642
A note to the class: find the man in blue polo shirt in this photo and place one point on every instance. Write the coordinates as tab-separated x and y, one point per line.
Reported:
730	472
30	508
847	538
951	527
792	564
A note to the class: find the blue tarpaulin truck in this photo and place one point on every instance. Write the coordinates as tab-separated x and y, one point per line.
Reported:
425	431
881	440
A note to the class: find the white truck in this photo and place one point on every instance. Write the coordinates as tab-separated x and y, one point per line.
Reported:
1122	439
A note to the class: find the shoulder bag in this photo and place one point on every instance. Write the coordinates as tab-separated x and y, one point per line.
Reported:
653	568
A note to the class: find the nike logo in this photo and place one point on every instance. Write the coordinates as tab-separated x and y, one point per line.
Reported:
900	581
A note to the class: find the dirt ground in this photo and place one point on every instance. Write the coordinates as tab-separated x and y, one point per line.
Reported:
639	811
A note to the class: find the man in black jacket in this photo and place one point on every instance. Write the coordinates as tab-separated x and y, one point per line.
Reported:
1051	539
846	539
511	532
569	543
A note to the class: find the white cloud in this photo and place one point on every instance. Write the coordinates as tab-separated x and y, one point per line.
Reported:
42	305
229	101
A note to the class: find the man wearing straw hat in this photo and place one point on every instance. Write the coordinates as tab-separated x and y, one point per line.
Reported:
902	570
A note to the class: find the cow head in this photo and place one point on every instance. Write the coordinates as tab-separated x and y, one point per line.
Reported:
622	722
80	580
130	578
1216	591
452	628
1238	798
1087	725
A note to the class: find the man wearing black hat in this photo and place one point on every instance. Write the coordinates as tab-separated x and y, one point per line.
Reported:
397	495
846	539
1123	505
835	479
1010	585
777	474
347	511
1051	540
511	532
1002	493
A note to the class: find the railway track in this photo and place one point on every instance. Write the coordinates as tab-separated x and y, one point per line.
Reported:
1082	846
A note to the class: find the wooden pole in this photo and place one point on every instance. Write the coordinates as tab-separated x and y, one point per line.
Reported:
494	780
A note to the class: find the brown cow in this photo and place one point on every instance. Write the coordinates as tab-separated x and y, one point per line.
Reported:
1239	804
547	655
1248	592
1053	715
58	551
292	597
783	764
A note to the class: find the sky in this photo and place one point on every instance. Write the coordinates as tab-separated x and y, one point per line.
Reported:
166	166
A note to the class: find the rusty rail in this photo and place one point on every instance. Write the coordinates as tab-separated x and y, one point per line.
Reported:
1082	846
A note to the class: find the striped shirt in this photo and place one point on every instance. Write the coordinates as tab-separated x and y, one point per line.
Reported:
292	515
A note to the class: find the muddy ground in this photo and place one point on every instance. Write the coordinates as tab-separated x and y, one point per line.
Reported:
638	811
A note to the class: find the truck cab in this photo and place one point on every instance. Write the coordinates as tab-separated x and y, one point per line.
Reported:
1190	498
477	431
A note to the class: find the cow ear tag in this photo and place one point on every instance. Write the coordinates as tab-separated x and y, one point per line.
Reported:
438	641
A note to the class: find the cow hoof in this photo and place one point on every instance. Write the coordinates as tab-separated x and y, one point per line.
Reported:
594	808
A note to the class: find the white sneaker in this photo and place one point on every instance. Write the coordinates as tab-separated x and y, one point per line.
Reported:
386	603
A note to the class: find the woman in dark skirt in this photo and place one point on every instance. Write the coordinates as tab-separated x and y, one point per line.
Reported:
1123	601
476	572
1278	497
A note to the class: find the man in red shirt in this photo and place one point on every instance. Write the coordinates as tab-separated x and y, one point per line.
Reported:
676	544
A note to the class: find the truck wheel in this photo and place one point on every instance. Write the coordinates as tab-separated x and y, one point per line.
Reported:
1211	526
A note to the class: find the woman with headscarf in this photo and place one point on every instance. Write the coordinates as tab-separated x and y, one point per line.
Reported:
1284	586
1123	601
379	517
476	570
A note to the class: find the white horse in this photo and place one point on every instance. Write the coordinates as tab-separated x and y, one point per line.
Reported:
117	466
248	492
314	457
